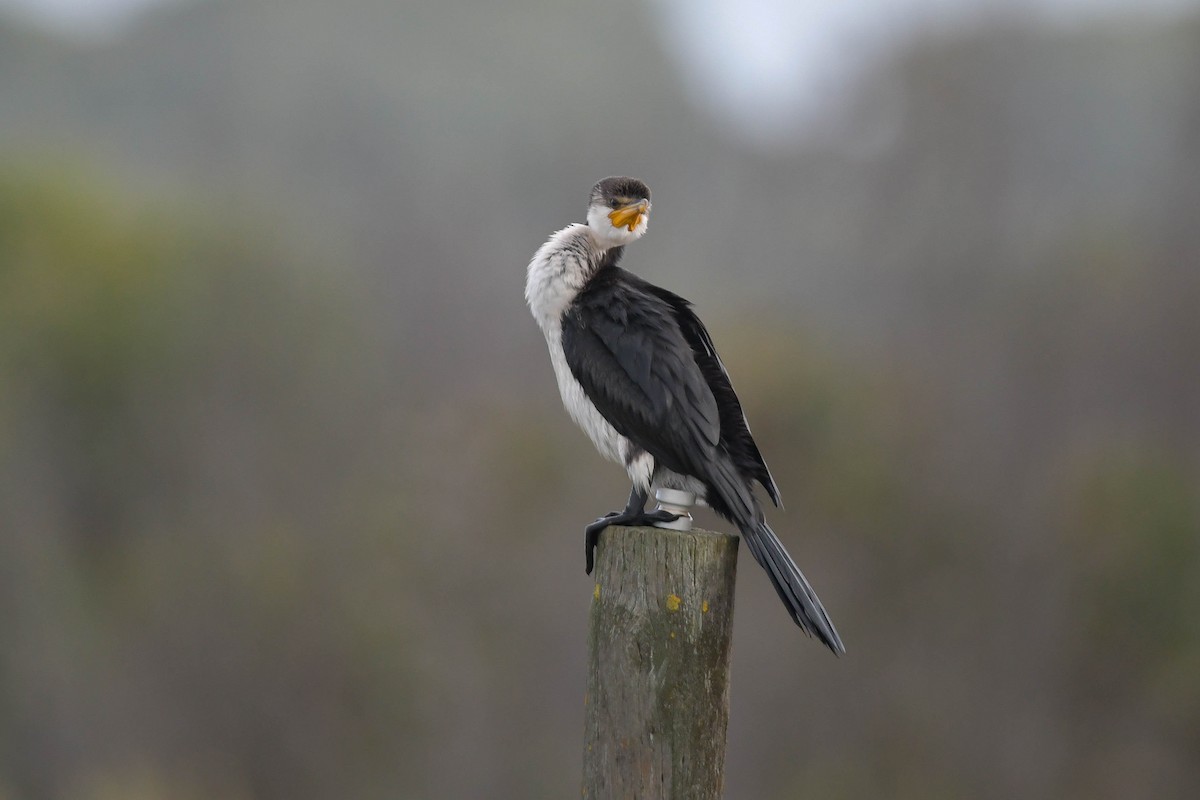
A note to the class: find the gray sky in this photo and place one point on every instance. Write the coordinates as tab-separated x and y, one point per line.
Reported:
81	15
773	70
770	71
802	22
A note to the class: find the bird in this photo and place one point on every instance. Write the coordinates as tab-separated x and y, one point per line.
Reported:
638	372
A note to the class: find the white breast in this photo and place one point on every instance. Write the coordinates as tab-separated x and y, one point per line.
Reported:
557	273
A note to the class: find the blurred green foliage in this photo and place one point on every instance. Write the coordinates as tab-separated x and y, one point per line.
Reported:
288	504
144	554
1134	524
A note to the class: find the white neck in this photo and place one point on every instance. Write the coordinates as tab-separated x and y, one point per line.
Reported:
559	270
606	234
568	259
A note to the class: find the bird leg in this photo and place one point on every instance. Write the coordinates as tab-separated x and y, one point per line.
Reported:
634	514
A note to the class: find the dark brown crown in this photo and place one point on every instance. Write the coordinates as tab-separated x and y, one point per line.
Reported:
626	190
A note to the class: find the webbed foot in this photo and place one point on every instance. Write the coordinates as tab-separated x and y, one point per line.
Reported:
633	516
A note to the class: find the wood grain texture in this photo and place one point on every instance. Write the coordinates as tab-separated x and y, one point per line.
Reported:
657	702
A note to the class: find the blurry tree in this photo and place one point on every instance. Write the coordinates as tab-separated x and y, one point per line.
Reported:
177	619
288	506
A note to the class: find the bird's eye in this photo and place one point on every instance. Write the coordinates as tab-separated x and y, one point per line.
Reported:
614	203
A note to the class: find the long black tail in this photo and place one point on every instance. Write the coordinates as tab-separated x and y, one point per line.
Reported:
729	494
794	590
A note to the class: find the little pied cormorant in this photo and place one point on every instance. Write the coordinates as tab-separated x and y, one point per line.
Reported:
638	372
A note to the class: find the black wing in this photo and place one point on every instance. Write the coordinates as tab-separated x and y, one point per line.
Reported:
625	347
649	366
641	354
735	430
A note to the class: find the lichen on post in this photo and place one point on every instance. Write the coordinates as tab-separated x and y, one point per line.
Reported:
657	703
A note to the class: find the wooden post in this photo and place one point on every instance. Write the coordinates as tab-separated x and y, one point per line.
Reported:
657	702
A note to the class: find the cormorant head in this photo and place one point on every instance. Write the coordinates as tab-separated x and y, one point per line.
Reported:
619	211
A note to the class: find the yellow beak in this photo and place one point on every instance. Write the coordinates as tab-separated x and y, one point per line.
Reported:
629	216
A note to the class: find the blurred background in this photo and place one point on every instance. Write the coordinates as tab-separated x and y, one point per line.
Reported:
289	507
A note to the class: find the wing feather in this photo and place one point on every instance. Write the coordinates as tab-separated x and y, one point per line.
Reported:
735	429
625	347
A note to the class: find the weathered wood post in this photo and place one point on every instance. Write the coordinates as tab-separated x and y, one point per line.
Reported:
657	702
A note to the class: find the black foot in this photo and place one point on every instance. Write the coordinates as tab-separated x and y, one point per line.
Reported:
632	518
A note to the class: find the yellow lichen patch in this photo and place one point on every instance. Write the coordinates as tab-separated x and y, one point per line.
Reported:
673	602
596	592
704	607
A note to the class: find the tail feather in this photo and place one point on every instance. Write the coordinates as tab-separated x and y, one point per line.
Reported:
730	496
793	588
